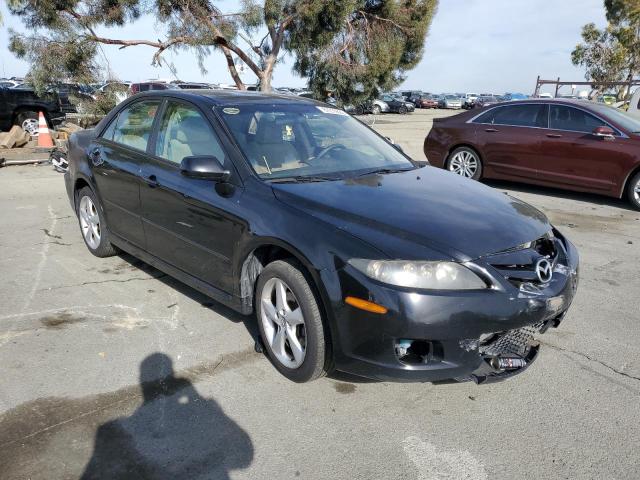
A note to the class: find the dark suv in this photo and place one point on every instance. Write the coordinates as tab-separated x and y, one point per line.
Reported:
350	255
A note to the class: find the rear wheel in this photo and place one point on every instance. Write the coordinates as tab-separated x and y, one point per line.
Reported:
93	225
29	122
465	161
290	322
633	191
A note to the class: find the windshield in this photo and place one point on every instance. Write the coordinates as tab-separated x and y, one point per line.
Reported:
298	140
623	119
452	97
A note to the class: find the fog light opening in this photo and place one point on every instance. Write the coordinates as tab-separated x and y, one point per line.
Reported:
413	352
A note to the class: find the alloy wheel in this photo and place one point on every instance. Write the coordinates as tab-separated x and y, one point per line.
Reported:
30	125
283	323
464	163
636	191
89	222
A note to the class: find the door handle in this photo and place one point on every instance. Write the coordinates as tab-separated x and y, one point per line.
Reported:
152	181
554	135
490	130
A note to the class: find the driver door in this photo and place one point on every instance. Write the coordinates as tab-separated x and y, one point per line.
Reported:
189	222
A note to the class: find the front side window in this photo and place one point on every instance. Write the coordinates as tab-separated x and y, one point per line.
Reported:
133	125
562	117
184	132
300	140
533	115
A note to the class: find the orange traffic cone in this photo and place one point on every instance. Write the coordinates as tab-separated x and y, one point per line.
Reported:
44	137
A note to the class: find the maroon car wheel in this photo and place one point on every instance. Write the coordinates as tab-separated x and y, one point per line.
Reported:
465	161
634	191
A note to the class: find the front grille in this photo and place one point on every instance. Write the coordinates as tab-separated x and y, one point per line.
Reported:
518	265
512	342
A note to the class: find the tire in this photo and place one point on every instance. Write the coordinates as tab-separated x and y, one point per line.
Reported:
376	110
28	121
95	235
305	328
359	110
402	110
466	162
633	191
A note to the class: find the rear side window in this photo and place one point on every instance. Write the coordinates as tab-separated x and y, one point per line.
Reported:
133	125
568	118
184	132
532	115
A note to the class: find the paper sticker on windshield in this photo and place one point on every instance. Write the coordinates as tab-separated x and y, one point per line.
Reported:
231	110
333	111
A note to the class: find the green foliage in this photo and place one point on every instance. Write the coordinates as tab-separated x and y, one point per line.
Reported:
612	54
356	48
353	48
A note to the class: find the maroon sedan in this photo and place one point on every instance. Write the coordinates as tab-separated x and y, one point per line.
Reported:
426	101
570	144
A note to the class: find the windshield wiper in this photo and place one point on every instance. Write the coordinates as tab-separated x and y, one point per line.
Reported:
302	179
384	170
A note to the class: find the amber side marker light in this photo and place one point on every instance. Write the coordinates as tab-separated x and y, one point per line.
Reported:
365	305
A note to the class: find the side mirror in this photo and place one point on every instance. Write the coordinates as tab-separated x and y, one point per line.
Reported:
606	133
204	166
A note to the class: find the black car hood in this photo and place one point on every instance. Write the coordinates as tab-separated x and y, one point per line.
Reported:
427	207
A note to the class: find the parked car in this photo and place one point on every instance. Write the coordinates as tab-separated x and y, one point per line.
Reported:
118	89
20	106
510	97
350	255
146	86
469	100
6	83
397	105
427	101
572	144
634	104
450	101
485	101
412	96
375	106
192	85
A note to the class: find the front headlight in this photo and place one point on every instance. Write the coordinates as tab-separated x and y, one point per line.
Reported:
419	274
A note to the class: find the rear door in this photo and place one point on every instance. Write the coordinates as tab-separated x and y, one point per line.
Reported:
574	157
509	139
117	157
189	222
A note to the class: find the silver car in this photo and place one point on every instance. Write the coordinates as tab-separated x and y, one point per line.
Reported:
450	101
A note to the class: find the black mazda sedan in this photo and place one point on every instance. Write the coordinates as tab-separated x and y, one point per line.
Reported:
351	255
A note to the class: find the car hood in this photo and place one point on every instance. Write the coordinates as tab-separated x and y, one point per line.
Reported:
411	214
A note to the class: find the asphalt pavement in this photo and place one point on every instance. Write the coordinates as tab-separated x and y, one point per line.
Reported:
110	369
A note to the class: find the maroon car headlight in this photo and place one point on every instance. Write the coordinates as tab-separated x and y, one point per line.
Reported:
420	274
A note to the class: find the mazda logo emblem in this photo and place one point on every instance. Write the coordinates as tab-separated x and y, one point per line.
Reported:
544	270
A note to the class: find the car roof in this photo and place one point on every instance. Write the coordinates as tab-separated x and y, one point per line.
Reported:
236	97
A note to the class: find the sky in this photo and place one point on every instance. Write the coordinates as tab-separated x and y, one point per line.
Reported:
477	46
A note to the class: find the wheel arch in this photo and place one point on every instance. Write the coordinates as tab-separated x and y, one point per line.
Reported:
258	255
627	181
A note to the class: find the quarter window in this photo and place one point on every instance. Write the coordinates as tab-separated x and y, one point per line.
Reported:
529	115
133	125
568	118
184	132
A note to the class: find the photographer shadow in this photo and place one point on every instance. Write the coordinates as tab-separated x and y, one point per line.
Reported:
175	433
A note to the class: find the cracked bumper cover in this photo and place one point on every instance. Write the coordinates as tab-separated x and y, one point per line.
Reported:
453	322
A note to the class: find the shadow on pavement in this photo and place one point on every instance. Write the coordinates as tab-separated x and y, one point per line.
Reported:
175	433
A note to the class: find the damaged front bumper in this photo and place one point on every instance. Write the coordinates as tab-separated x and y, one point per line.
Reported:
481	336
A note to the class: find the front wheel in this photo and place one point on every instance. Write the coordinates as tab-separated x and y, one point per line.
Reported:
290	322
465	161
93	225
633	192
376	110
